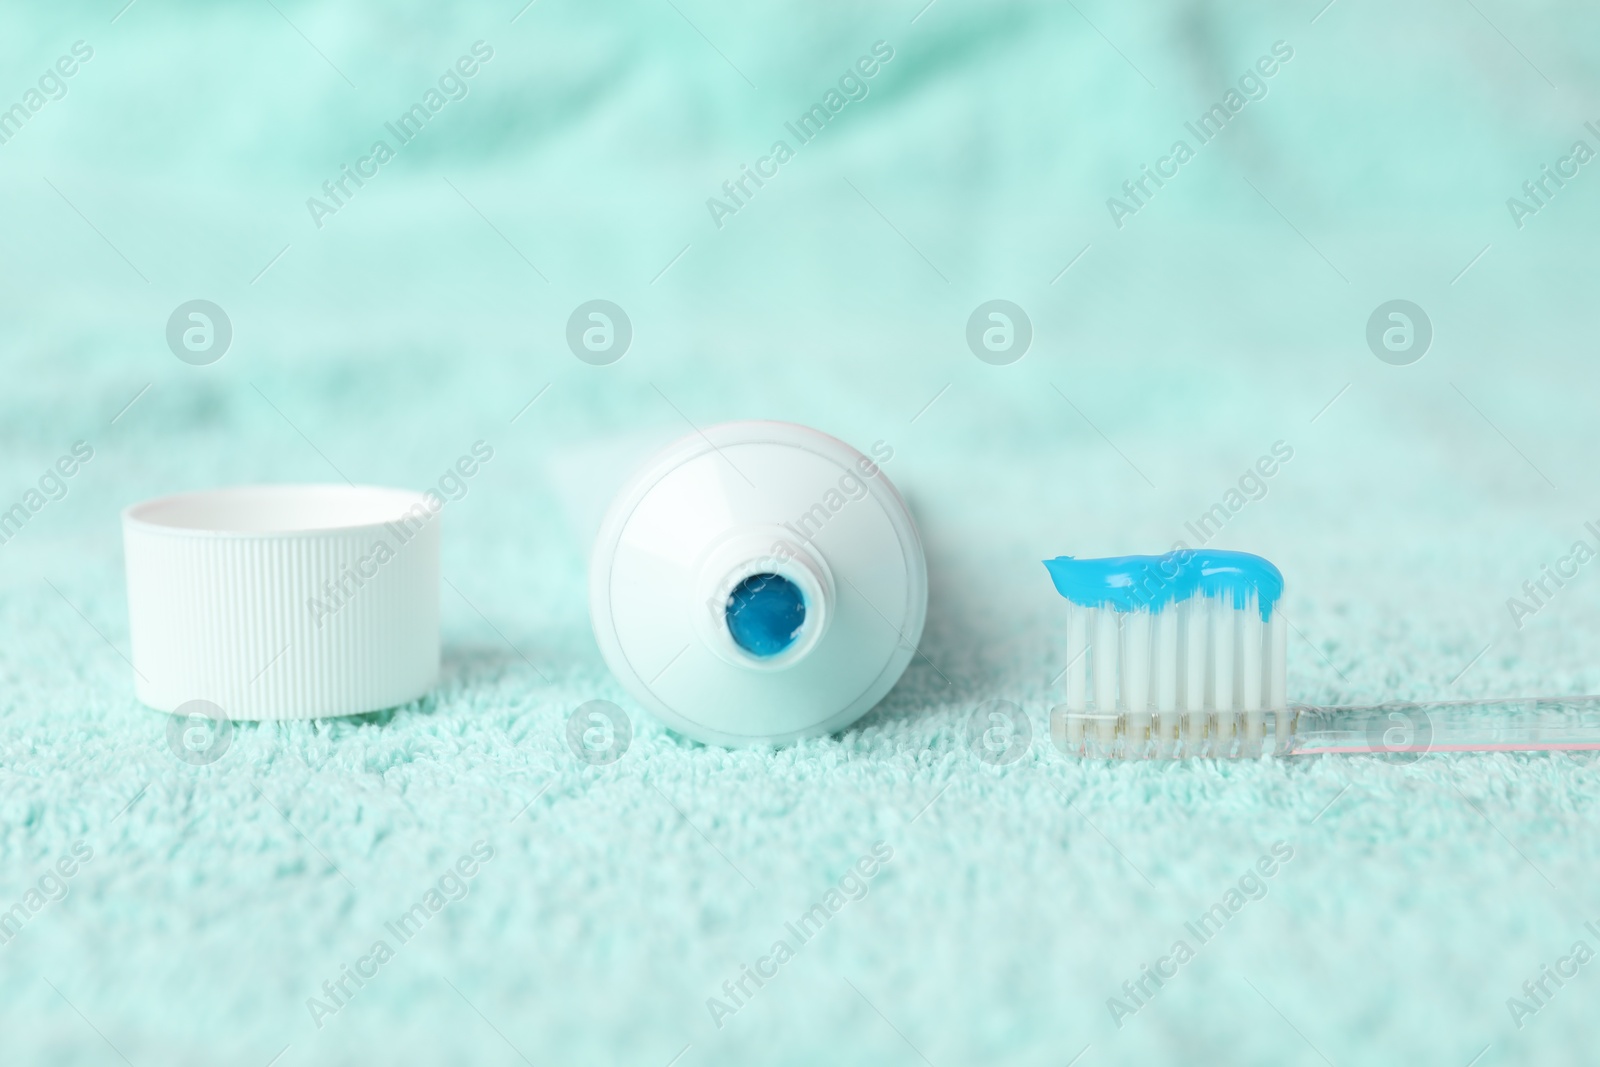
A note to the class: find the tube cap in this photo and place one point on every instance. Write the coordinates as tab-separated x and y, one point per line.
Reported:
284	601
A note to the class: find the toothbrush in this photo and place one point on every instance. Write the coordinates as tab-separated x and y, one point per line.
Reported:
1184	655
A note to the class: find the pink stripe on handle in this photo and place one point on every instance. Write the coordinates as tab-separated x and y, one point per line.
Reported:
1365	750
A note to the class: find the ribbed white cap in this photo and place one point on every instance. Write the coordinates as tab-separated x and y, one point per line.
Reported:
284	601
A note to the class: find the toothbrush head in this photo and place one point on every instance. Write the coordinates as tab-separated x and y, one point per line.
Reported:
1169	656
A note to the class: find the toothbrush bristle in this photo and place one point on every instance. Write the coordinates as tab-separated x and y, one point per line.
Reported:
1197	669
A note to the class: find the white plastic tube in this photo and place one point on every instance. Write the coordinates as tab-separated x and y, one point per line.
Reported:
779	505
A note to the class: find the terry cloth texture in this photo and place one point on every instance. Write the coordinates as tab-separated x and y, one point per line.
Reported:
970	912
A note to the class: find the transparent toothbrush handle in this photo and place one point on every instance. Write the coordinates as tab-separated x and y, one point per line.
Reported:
1401	730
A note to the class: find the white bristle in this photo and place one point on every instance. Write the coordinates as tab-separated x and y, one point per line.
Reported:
1103	660
1192	678
1166	655
1135	688
1252	641
1193	614
1277	656
1077	659
1167	660
1224	625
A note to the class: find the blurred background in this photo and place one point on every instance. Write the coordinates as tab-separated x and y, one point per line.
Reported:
1180	336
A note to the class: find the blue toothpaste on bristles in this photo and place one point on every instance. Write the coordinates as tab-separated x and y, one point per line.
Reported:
1181	654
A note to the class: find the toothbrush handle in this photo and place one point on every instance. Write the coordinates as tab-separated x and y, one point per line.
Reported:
1405	731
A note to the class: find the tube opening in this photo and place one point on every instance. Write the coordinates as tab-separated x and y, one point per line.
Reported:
765	614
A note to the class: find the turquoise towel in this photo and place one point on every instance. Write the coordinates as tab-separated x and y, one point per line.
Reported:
306	897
